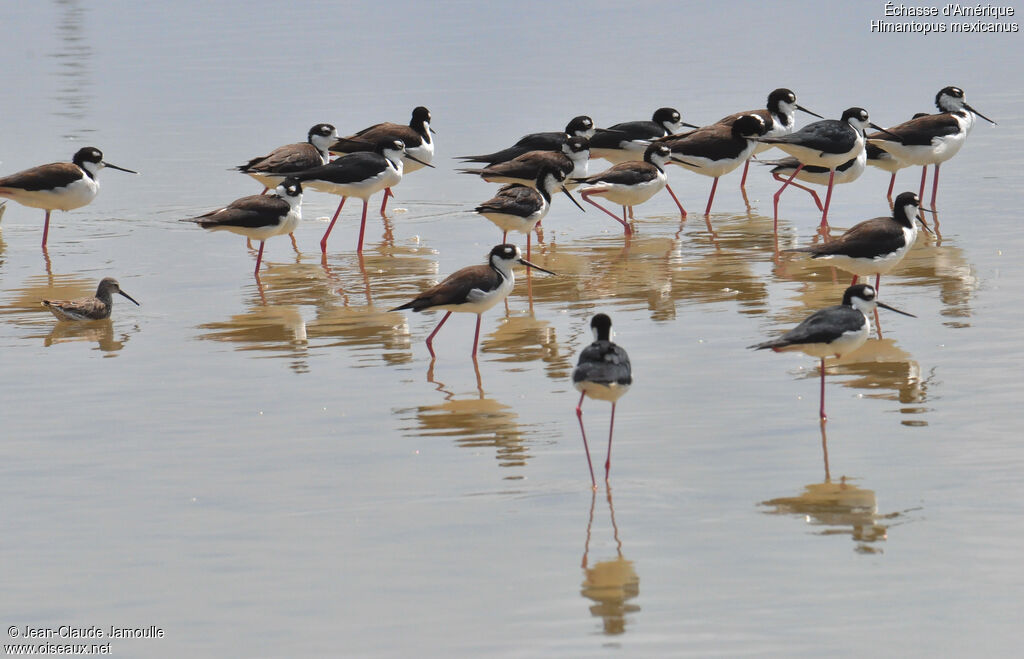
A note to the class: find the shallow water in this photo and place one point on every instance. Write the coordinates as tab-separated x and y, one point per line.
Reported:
277	469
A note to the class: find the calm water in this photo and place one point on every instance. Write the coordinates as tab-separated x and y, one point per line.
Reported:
277	471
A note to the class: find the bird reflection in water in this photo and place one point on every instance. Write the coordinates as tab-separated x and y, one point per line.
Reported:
839	507
610	583
473	421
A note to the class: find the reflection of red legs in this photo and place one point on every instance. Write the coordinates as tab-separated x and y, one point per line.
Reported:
778	194
682	211
821	410
323	241
430	339
586	197
579	416
817	200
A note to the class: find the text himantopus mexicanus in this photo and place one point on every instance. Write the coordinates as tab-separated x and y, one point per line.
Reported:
473	289
603	372
581	126
88	308
359	175
717	149
629	183
258	217
827	143
628	140
419	143
779	119
520	208
273	168
934	138
836	330
875	246
572	160
60	185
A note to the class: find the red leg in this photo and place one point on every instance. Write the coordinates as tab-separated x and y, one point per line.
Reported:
935	184
828	197
814	195
384	202
779	194
295	245
528	236
362	226
682	211
476	336
878	279
430	339
579	417
586	197
924	175
821	410
504	239
259	257
264	191
892	184
711	198
323	241
46	229
746	168
608	459
854	282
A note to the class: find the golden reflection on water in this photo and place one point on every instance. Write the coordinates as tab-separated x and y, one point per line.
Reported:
610	583
473	420
840	507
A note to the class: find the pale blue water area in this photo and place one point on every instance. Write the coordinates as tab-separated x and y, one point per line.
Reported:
272	473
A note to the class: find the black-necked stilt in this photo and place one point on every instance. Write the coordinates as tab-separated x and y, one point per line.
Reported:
779	119
848	172
875	246
628	140
273	168
581	126
60	185
572	161
473	289
836	330
827	143
603	373
520	208
934	138
882	159
258	217
717	149
88	308
359	175
419	143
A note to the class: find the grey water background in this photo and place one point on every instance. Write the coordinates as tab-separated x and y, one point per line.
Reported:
280	473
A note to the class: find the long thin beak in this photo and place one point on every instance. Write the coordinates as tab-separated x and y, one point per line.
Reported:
128	296
882	130
886	306
569	195
924	225
980	114
432	130
813	114
130	171
683	162
686	125
535	267
415	159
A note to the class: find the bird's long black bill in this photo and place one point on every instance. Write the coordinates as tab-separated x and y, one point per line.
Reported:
980	114
886	306
536	267
129	297
569	195
813	114
121	169
684	162
415	159
882	130
431	129
686	125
